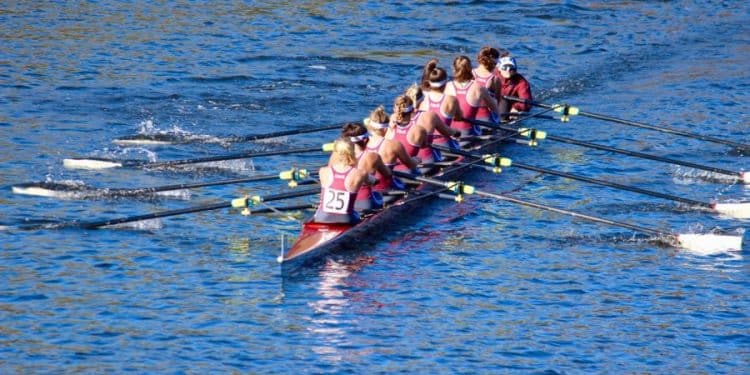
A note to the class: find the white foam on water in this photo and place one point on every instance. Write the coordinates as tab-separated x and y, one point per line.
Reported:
183	194
150	224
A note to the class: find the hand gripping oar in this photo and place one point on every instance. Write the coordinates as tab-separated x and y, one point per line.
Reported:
101	163
735	210
534	134
568	111
165	139
245	203
59	190
691	241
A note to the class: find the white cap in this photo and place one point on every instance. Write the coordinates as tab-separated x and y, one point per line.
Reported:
507	60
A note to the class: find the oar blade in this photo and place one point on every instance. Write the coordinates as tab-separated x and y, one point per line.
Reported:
90	164
734	210
708	244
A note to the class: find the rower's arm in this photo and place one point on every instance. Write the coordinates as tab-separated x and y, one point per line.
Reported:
382	168
488	100
404	158
445	130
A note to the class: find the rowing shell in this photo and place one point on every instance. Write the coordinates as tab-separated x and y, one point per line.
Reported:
317	240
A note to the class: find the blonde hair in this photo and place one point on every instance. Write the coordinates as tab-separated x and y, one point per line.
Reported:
401	106
343	152
414	92
379	115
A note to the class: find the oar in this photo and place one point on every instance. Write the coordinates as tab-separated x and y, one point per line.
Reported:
245	203
692	241
736	210
164	139
58	190
743	176
570	111
102	163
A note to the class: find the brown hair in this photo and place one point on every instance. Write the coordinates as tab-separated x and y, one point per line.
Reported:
462	69
488	57
400	104
353	129
426	72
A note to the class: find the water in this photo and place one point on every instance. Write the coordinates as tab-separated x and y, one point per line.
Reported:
483	287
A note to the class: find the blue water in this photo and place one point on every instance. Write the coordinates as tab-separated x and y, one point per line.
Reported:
482	287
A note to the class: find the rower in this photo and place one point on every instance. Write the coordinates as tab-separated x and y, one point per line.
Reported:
430	122
511	83
403	128
369	160
484	75
391	151
434	80
470	96
339	183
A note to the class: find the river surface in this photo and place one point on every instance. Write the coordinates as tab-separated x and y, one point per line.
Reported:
480	287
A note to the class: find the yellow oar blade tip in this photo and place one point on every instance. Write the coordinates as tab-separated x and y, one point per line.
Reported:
505	162
734	210
573	111
541	134
328	147
709	244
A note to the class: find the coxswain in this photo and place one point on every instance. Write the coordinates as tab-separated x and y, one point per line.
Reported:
437	101
470	96
511	83
484	74
368	198
340	181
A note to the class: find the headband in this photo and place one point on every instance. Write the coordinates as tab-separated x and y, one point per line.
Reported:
438	84
358	138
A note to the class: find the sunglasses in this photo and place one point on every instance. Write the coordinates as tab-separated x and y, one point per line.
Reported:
507	68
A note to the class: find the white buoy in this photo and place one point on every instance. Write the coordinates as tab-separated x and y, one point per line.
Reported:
89	164
707	244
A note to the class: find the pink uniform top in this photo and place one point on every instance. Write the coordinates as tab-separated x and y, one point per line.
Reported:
365	191
383	183
484	113
469	111
336	198
436	107
400	135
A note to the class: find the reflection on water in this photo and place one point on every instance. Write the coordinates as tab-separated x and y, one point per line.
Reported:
335	298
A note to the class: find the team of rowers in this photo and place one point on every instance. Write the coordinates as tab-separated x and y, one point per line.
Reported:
436	112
